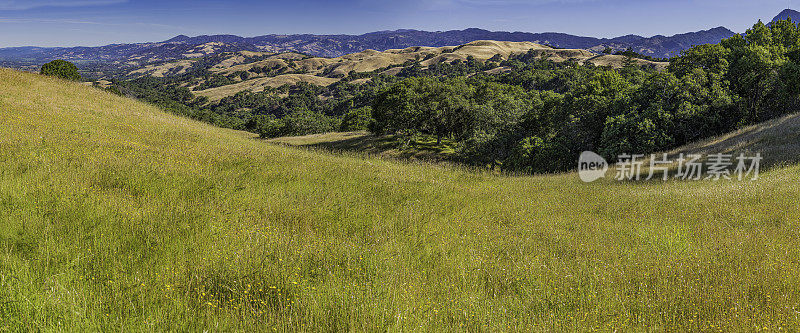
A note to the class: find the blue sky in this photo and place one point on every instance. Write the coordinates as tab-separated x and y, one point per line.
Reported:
101	22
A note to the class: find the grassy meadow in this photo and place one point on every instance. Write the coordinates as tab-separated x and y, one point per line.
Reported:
420	149
115	216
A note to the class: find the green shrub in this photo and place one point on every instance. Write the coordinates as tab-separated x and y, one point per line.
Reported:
303	122
359	119
61	69
300	122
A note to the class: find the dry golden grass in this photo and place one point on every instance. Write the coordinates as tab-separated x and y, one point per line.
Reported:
371	60
270	63
312	139
485	49
367	61
498	70
617	61
204	50
236	60
258	84
160	70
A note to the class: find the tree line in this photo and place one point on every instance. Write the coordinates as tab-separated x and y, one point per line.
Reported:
542	115
538	115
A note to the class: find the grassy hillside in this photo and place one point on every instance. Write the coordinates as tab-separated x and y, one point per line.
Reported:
258	84
291	68
116	216
370	145
778	140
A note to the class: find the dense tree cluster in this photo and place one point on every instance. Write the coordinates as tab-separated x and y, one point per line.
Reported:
537	115
61	69
633	54
564	109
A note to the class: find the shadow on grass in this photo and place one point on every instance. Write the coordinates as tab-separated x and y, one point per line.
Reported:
423	148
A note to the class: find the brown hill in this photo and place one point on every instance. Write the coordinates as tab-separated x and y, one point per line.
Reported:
258	84
266	69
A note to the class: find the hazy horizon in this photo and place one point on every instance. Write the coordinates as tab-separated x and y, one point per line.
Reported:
101	22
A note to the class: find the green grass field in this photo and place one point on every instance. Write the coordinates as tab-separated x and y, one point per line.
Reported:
363	144
117	217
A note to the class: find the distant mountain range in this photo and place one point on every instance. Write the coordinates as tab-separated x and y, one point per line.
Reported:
787	14
337	45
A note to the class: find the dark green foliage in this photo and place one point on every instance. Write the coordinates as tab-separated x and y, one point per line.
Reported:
632	54
179	100
298	122
267	126
359	119
213	81
496	58
708	90
114	90
61	69
538	116
423	106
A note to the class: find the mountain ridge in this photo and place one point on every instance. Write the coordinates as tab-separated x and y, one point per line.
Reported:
336	45
331	46
786	14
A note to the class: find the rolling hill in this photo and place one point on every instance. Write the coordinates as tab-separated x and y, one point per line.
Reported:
777	140
102	60
332	46
787	14
275	70
117	216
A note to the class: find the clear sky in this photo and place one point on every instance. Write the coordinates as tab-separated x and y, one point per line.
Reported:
101	22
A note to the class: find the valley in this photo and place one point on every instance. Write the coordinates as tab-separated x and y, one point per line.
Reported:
400	180
253	71
119	216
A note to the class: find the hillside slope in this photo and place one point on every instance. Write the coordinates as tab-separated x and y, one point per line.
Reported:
338	45
371	60
777	140
273	70
787	14
116	216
